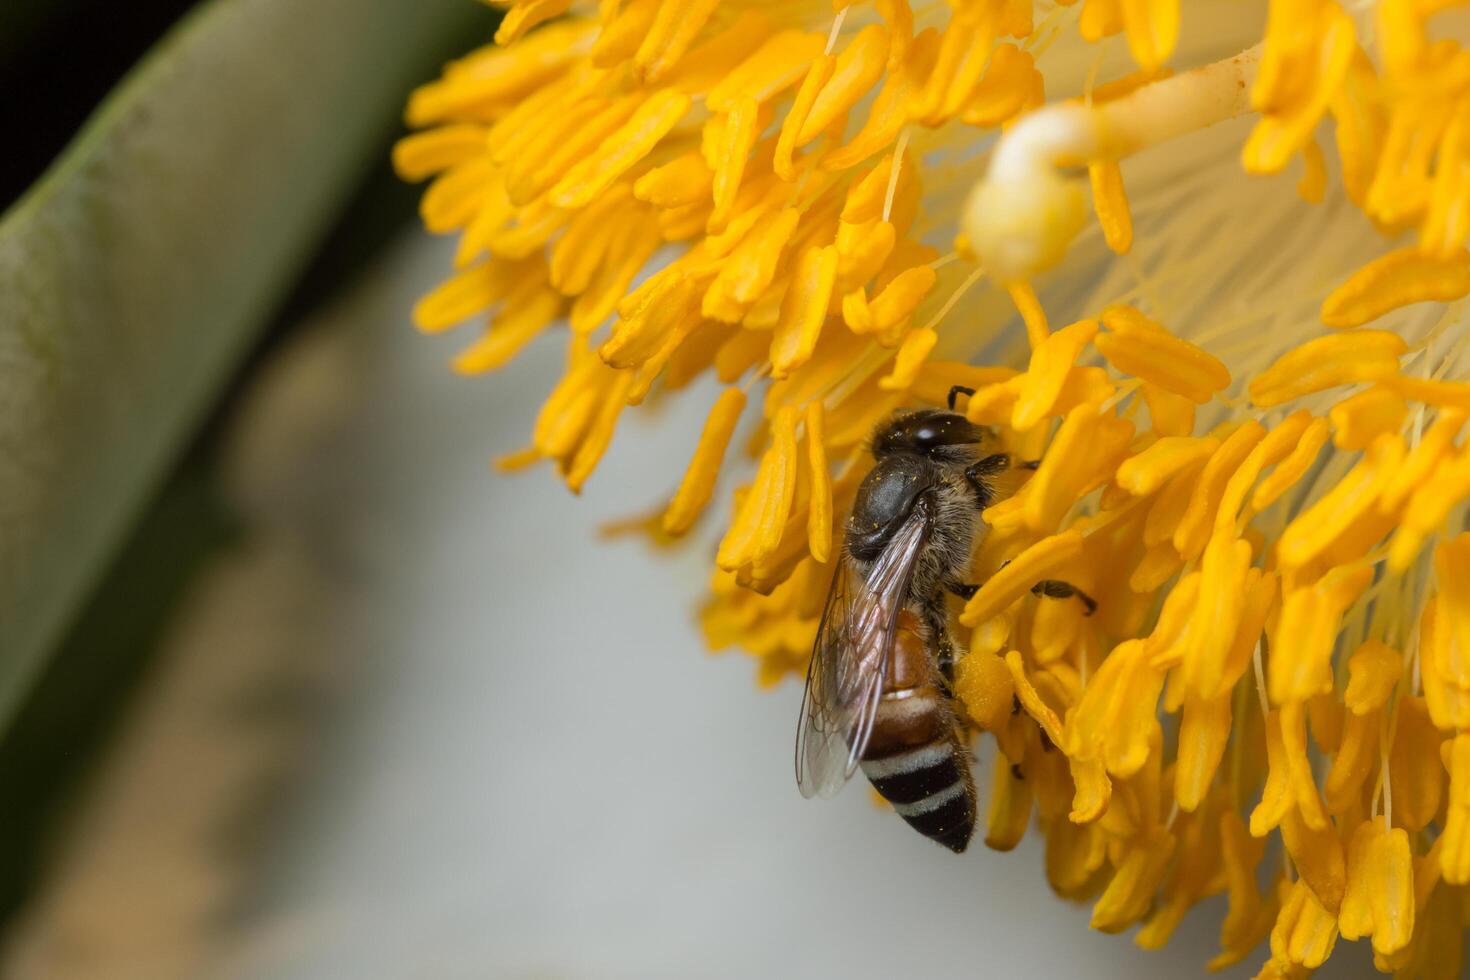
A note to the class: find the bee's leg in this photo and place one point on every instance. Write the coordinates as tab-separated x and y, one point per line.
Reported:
1057	589
965	590
1030	464
956	392
936	618
977	471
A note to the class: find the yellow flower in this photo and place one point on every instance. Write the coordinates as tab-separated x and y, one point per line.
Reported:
1248	424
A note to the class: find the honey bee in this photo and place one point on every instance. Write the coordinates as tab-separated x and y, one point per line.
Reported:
878	688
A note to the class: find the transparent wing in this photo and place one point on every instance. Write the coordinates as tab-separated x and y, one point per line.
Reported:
850	660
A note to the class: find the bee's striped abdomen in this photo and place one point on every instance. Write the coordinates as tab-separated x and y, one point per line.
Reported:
914	758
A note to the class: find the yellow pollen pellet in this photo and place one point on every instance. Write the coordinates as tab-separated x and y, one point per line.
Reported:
775	66
984	685
1154	355
859	65
617	154
1110	202
1050	364
803	310
911	356
1395	280
1353	498
819	512
698	484
1359	420
1144	473
1043	559
1327	362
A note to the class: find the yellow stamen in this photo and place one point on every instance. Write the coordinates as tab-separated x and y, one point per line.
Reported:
698	484
1045	558
1396	280
1327	362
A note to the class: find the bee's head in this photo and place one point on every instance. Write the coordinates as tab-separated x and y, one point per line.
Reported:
930	432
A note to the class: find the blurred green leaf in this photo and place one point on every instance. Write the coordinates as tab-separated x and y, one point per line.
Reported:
133	277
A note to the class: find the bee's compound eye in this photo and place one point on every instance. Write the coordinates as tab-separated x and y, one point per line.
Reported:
928	435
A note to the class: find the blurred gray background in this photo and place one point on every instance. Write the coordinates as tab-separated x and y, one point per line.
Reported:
418	720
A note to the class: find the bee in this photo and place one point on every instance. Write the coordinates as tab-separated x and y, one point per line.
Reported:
878	689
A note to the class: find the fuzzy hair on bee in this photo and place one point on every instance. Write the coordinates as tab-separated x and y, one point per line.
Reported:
953	464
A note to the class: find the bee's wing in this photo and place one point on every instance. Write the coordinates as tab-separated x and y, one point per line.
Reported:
850	661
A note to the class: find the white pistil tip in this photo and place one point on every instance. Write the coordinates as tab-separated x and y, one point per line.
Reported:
1021	224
